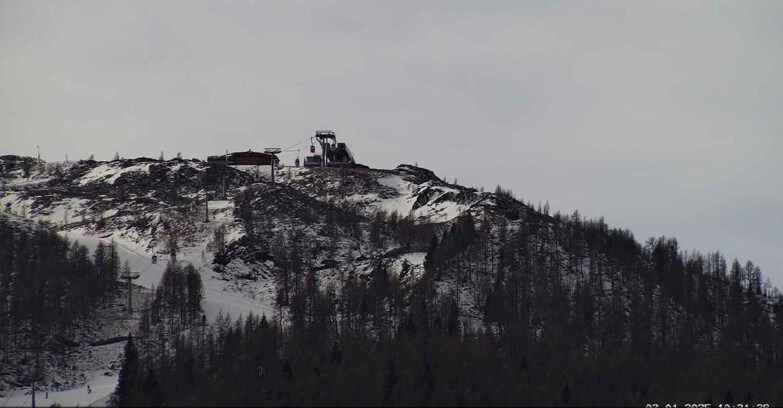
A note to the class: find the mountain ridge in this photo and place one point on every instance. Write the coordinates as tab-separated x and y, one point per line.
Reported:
475	262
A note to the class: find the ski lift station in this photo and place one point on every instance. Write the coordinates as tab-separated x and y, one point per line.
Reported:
330	153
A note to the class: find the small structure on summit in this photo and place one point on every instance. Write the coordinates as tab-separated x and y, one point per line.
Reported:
249	157
332	154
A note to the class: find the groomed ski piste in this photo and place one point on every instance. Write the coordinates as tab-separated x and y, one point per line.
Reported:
218	299
102	387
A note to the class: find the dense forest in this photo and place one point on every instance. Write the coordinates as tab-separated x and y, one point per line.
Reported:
46	281
567	311
50	289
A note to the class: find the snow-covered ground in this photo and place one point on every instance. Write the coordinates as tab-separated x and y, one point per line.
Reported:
88	375
430	201
19	183
408	193
410	264
138	260
102	386
217	297
109	173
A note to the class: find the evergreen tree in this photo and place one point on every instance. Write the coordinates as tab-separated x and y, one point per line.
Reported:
128	384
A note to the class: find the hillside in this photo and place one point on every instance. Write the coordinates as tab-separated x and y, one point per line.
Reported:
149	207
62	321
401	251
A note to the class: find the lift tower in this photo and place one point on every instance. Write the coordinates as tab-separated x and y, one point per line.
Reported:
129	276
272	151
323	137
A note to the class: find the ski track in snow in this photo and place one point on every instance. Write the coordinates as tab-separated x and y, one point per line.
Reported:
102	387
217	300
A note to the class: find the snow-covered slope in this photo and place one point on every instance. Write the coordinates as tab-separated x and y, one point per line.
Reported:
147	207
21	171
76	355
239	231
409	191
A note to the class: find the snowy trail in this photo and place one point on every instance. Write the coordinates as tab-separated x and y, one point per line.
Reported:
150	273
216	300
101	386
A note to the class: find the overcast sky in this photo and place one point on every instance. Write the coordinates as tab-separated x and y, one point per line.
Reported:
663	117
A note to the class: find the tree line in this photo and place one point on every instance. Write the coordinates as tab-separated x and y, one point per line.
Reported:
539	311
48	287
46	281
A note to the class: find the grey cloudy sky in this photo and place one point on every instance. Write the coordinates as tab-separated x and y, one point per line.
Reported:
663	117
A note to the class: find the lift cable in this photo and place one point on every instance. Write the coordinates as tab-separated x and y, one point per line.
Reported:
298	143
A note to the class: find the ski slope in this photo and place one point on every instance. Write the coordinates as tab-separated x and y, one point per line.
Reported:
102	387
216	299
